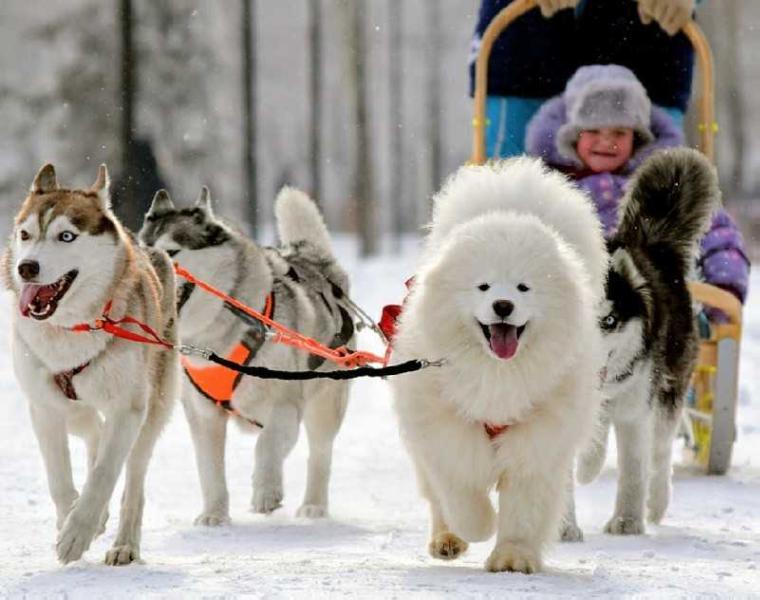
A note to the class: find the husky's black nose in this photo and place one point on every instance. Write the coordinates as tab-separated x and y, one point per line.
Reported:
503	308
28	269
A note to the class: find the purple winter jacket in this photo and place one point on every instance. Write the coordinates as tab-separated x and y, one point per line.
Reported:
723	261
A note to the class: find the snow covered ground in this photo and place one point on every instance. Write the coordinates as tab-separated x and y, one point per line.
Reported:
374	544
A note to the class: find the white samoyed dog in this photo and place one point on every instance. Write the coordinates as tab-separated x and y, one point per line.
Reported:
507	292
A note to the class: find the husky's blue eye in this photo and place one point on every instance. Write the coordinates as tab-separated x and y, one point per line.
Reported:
522	287
484	287
67	236
609	322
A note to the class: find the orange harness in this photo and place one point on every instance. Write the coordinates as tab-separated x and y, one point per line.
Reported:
218	383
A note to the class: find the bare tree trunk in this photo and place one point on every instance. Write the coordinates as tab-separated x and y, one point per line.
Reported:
363	194
248	38
395	109
127	208
315	86
735	98
434	93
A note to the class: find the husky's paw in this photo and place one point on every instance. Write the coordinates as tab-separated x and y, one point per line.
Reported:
75	537
571	533
624	526
312	511
447	546
266	500
122	555
508	556
212	519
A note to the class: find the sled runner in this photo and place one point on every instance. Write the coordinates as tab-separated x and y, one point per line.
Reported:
711	408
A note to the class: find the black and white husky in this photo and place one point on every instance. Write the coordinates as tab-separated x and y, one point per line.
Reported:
306	288
649	329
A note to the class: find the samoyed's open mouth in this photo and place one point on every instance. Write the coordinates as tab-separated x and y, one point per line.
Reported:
502	338
40	301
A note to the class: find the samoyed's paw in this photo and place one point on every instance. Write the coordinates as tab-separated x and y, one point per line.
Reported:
123	554
266	500
571	533
212	519
447	546
508	556
312	511
624	526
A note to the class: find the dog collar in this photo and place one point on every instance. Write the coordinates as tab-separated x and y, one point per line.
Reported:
64	381
493	431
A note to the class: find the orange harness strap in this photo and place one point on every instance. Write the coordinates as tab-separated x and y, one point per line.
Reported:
214	381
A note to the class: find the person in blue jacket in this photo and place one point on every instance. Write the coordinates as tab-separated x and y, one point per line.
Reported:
537	54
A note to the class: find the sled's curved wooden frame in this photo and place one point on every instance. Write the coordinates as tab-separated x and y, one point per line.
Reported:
722	335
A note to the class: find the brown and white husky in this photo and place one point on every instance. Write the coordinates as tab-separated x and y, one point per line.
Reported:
68	257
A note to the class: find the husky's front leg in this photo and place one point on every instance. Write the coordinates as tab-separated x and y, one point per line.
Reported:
531	501
208	428
121	426
273	446
633	441
50	428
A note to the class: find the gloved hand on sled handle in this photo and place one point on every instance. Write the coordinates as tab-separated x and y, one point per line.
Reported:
671	15
549	7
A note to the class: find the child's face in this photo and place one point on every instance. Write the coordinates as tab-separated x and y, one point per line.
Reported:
606	148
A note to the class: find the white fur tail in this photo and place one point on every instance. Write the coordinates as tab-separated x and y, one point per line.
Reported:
299	219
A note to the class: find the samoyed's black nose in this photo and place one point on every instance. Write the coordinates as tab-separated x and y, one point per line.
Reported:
28	269
503	308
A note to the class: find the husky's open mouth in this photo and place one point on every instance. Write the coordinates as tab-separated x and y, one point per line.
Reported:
502	338
40	301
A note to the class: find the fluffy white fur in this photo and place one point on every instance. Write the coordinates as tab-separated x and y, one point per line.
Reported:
504	225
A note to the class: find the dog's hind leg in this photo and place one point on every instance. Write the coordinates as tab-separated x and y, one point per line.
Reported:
273	446
85	423
634	442
323	415
126	546
208	428
50	428
120	430
660	486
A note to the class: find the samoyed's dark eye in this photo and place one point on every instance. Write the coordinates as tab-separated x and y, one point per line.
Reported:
67	236
23	235
484	287
521	287
609	322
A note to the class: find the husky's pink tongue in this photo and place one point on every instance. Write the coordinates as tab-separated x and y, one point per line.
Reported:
28	293
503	340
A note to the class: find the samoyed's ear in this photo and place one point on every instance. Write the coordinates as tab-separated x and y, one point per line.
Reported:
162	203
45	180
102	186
204	201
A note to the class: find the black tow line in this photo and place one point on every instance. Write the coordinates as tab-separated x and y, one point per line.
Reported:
264	373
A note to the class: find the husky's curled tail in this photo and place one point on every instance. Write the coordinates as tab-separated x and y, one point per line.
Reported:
299	219
670	203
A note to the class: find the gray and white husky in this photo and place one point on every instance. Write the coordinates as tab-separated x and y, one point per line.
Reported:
649	329
68	258
306	288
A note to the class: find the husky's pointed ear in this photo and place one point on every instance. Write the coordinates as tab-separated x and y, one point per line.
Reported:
45	181
204	201
162	202
102	186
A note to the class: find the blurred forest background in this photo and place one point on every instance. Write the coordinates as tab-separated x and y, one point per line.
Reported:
361	102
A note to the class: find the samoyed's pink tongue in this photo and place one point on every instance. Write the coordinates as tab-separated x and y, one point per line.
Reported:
28	294
503	340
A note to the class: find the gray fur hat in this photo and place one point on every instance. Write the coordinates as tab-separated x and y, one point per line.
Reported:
603	96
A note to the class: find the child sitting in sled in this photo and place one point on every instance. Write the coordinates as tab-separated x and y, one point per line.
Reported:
598	132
